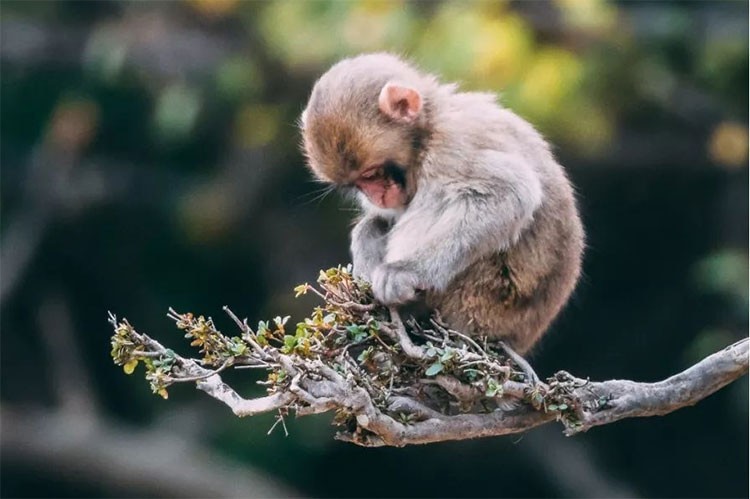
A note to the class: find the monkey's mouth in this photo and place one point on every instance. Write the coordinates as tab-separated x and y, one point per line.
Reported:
384	185
384	195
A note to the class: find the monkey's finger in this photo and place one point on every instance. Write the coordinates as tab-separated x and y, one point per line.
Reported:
400	288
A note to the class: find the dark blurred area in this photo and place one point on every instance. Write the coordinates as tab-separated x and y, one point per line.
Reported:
150	159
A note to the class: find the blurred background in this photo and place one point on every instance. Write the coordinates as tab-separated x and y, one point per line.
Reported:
150	159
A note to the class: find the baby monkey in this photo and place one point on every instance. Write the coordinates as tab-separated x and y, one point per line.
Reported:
463	204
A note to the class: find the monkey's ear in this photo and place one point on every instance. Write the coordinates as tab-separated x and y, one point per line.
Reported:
400	102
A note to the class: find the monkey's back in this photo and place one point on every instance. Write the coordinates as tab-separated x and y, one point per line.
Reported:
514	294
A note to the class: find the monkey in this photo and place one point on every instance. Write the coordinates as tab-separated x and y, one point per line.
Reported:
463	203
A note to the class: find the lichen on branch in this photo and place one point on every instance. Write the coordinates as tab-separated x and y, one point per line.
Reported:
394	382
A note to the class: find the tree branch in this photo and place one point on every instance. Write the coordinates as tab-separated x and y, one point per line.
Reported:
421	383
628	399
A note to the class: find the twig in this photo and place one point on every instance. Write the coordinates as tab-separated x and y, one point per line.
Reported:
279	419
247	332
200	377
241	407
521	362
457	333
400	335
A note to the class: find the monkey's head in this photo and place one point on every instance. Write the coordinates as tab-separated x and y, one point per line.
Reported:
365	125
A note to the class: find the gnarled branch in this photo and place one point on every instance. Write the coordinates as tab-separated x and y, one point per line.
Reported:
417	384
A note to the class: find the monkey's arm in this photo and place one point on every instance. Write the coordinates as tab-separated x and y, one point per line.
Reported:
451	223
368	245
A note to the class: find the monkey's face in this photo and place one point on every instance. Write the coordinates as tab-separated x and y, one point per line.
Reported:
373	160
368	145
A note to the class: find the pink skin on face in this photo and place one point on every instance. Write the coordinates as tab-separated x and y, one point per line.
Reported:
382	191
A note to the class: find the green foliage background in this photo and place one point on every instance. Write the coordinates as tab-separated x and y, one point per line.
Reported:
151	147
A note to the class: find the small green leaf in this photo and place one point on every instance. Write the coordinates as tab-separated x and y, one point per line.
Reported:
289	343
302	330
357	332
431	350
492	388
365	355
448	355
434	369
237	347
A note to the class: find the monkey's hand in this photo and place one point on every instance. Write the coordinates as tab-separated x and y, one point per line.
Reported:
395	283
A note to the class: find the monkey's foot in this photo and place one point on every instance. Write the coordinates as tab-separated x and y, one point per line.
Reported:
521	362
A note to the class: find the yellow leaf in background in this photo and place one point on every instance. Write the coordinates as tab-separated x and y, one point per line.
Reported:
377	7
375	25
304	34
554	74
492	7
130	366
502	47
213	8
596	16
163	393
728	145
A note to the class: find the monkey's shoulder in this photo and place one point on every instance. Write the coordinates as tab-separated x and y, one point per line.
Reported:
476	122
